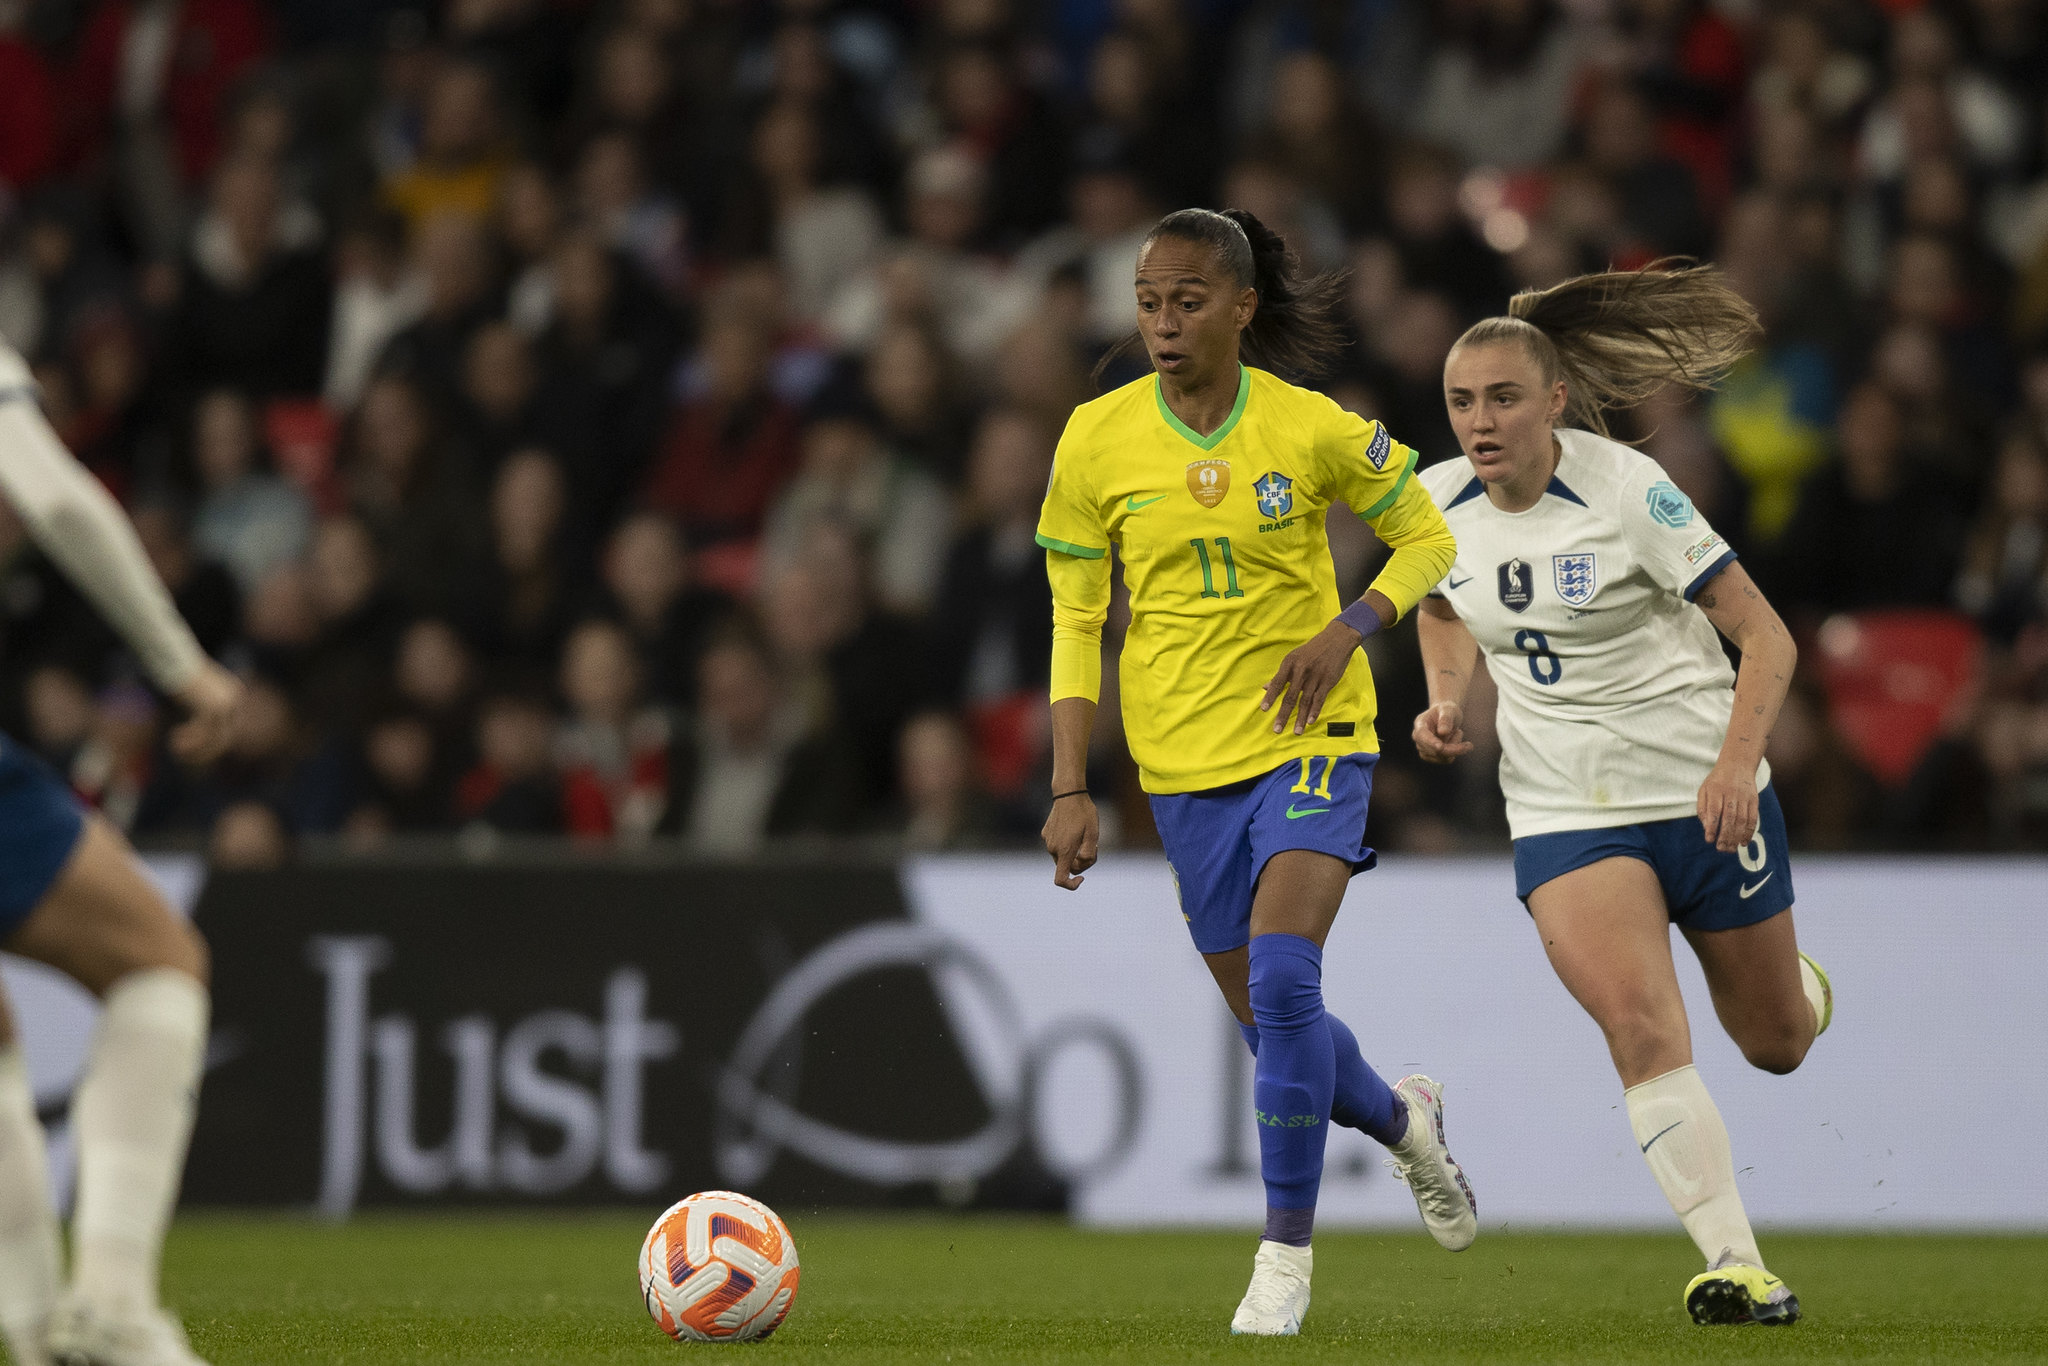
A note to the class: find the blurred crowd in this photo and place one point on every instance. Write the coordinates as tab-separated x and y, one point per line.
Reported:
626	419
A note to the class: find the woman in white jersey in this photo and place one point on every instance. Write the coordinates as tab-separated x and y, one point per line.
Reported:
1632	755
72	896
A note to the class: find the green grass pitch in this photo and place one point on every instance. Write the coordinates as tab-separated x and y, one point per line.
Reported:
436	1291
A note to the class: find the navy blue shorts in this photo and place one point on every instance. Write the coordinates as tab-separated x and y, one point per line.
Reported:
1218	841
1704	888
40	822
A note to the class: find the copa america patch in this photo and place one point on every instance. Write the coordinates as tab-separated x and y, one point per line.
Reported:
1380	447
1574	577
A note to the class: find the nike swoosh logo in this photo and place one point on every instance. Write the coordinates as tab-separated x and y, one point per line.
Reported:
1131	504
1457	583
1660	1133
1294	815
1748	892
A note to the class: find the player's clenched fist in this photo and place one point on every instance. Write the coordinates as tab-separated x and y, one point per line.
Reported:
1728	806
1071	833
1440	733
212	697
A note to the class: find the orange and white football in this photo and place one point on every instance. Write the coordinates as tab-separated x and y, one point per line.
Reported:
718	1267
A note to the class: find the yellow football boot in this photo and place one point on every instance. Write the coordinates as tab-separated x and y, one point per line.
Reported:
1827	994
1736	1293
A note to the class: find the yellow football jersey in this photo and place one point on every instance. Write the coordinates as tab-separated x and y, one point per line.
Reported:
1228	567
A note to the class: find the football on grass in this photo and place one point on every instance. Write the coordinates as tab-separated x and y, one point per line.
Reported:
718	1267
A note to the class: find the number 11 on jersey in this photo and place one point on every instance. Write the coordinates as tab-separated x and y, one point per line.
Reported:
1229	569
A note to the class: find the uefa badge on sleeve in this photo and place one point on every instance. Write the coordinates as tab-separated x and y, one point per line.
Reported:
1668	506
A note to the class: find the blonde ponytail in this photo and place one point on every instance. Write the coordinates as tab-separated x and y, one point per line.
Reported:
1617	337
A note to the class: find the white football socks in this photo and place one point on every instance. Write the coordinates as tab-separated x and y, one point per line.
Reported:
133	1116
1686	1145
29	1268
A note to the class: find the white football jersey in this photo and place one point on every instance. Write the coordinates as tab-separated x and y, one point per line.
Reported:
1614	692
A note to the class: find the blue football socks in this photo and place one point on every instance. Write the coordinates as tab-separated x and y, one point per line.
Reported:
1294	1080
1362	1100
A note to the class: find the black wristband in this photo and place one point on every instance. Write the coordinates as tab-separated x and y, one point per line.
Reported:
1077	792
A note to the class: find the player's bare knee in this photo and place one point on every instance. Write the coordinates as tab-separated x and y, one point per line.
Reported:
1643	1039
1778	1051
1641	1019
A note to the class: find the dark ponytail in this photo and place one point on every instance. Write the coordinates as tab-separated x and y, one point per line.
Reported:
1295	333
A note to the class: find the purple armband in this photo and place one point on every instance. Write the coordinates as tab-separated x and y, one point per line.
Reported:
1360	617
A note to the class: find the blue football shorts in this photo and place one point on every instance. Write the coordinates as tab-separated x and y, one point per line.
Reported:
1219	840
1704	888
40	822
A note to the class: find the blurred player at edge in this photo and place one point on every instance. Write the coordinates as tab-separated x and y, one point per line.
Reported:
72	896
1634	799
1212	479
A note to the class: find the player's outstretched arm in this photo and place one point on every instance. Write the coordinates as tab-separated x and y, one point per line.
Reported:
80	527
1071	828
1739	611
1449	654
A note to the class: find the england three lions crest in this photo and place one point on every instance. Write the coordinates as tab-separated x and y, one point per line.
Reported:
1574	577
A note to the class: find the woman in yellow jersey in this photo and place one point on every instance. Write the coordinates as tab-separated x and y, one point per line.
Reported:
1211	478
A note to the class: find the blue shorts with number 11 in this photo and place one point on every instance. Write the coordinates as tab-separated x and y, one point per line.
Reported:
1218	841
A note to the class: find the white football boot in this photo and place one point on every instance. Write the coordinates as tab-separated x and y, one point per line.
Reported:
1421	1160
1277	1301
82	1334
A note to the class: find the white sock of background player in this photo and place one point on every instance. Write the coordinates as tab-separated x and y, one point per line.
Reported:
1686	1145
29	1257
133	1116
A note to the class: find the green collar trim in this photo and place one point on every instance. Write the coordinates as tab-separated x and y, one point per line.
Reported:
1387	501
1215	438
1079	552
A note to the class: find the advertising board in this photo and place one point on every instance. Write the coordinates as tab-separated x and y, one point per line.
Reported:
1940	1031
956	1031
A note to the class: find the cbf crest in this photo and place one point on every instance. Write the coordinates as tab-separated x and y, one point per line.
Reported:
1517	585
1208	481
1574	577
1276	494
